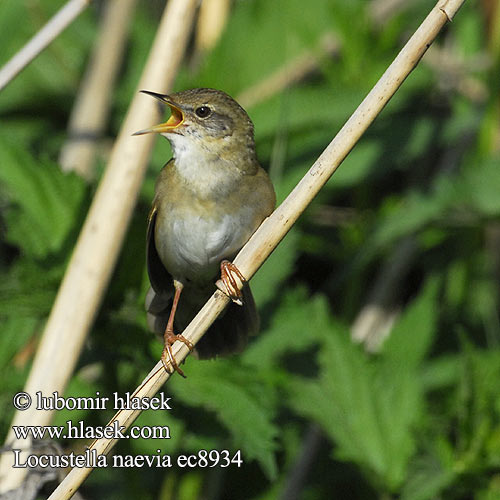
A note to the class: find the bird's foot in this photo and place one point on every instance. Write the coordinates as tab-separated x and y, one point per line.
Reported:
228	284
167	356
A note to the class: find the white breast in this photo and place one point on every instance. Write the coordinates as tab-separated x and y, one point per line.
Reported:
197	245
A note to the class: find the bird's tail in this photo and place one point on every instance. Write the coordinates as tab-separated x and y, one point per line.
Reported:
227	335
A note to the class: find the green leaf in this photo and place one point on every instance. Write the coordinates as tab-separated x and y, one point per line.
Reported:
285	29
357	165
296	326
28	288
411	337
427	480
46	203
481	187
155	418
16	332
369	407
241	403
415	211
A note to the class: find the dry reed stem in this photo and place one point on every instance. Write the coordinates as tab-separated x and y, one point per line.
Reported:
273	229
374	321
91	107
212	20
381	10
455	73
101	237
57	24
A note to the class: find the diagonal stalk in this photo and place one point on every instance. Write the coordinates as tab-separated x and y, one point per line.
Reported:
56	25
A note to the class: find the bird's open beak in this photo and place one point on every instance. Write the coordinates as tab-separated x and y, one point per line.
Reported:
175	120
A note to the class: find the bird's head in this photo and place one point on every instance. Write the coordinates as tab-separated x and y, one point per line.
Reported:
206	119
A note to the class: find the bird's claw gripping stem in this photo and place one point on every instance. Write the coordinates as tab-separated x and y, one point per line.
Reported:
167	356
228	284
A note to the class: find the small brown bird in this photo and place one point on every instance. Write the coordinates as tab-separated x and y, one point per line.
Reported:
209	200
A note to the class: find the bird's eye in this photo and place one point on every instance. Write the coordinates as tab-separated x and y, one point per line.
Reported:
203	111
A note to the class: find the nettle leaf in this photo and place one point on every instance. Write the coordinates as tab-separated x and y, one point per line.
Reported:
28	288
276	268
295	326
45	201
478	408
369	406
16	332
158	418
427	479
413	334
418	209
402	356
343	403
244	405
477	188
481	187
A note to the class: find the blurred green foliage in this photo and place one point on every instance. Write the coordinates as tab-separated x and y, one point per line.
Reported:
420	418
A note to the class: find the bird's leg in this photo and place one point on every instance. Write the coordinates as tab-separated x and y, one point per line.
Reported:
169	336
227	273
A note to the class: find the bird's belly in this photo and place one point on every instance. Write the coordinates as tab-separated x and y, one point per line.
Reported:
192	247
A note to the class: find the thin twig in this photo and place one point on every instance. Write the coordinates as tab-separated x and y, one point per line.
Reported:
273	229
57	24
101	237
381	12
289	74
91	107
297	474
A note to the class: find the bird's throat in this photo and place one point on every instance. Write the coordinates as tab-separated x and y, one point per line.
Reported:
202	171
